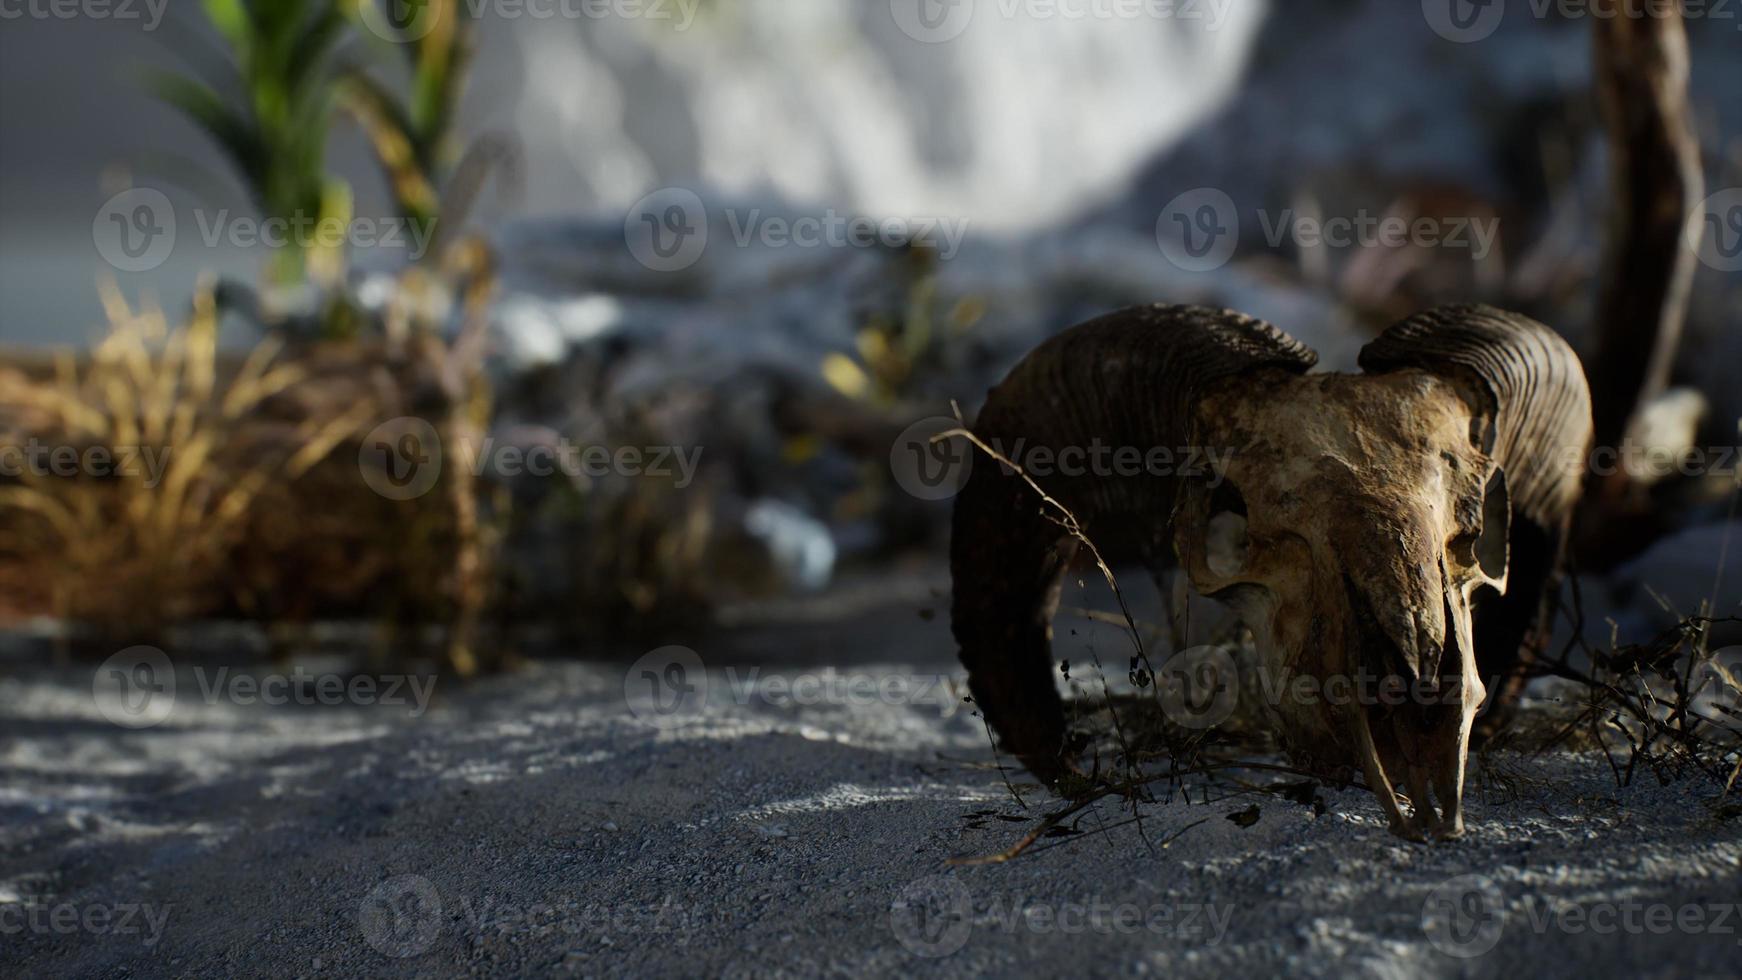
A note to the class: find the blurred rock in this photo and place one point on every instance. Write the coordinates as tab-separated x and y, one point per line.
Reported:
1670	581
1013	117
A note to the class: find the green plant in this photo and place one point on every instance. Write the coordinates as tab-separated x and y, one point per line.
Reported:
274	129
432	182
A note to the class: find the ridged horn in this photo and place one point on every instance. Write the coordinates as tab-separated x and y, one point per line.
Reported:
1533	385
1131	378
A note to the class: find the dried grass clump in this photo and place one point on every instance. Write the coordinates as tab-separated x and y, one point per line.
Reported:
260	507
328	545
123	555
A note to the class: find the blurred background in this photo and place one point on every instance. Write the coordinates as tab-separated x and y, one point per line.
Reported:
489	328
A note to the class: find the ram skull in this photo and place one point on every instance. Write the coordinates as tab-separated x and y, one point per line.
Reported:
1399	529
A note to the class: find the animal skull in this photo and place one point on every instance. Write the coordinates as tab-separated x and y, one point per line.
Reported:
1396	530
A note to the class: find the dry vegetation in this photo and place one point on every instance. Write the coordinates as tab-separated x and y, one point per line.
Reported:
243	490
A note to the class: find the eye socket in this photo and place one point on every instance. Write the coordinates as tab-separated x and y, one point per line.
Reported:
1226	547
1487	546
1226	497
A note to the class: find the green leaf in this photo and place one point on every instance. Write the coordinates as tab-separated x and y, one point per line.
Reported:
232	19
310	52
240	141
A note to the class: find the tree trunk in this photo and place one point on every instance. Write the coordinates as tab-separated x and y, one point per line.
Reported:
1656	182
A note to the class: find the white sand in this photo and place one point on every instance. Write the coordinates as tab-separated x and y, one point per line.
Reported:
533	825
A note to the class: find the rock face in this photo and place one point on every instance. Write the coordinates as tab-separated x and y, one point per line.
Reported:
983	114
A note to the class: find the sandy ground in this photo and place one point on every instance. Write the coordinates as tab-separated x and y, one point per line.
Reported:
553	823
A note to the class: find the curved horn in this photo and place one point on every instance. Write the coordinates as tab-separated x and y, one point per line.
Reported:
1128	379
1531	389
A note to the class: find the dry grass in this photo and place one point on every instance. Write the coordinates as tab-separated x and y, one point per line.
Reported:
127	553
248	496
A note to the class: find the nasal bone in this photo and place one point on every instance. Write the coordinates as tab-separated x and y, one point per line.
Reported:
1410	613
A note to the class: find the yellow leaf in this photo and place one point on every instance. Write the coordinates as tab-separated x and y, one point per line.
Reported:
847	377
